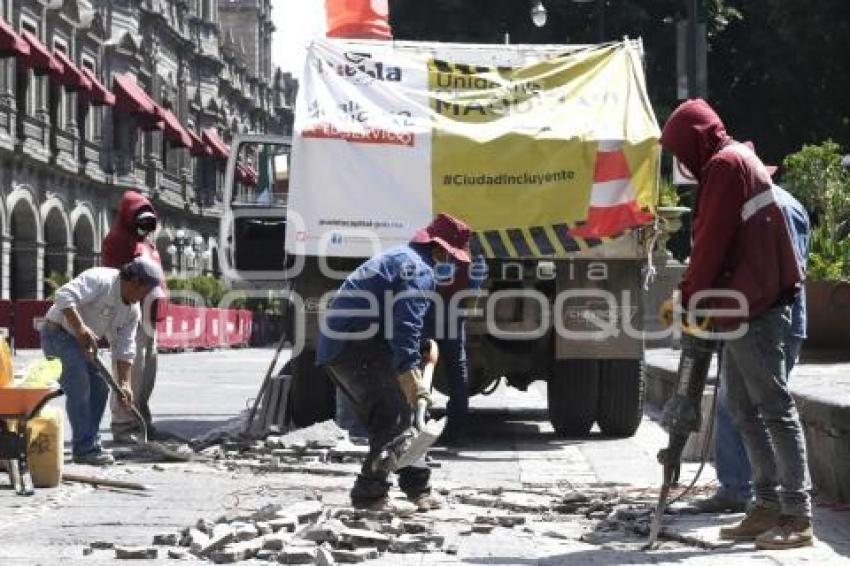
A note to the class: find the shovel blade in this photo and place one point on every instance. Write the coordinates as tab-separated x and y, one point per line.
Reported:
421	443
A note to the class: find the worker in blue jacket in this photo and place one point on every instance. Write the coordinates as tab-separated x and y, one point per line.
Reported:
371	342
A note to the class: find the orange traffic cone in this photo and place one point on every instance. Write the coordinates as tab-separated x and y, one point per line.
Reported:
613	199
358	19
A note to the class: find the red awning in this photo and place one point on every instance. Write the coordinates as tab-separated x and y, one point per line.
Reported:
174	130
240	173
253	176
220	150
149	123
130	98
72	77
199	148
39	59
11	44
98	95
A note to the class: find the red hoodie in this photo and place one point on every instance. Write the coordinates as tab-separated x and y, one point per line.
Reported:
740	239
123	243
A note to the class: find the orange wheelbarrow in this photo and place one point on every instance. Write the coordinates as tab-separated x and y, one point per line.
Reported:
17	406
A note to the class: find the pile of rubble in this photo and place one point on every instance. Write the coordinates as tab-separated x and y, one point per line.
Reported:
304	533
317	449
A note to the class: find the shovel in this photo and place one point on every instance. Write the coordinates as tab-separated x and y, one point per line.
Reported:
181	453
412	444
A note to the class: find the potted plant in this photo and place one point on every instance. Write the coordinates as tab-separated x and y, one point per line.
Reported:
816	176
671	216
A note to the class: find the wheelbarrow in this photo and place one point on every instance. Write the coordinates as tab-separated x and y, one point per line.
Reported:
17	407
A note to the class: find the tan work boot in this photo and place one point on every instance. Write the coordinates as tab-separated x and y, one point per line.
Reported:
791	532
426	501
757	521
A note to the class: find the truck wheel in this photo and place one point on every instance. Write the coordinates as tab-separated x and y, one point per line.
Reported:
312	393
621	394
572	395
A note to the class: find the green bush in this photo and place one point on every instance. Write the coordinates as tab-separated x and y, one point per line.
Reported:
208	287
816	177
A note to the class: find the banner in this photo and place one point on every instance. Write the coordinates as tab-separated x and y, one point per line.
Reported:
543	151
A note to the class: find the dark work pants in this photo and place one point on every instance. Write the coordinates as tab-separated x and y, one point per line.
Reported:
364	372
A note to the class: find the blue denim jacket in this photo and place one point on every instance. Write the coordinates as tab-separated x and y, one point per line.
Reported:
401	279
800	228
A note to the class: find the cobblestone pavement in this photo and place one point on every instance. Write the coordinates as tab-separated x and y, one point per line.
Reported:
514	453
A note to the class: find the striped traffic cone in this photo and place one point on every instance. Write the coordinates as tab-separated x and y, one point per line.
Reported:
613	199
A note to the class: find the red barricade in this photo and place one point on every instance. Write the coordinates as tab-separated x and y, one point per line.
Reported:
213	327
167	328
246	319
28	313
196	337
232	336
6	319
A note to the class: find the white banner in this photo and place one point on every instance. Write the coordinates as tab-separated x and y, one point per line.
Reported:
363	116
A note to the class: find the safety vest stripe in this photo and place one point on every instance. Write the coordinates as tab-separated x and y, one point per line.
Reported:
761	200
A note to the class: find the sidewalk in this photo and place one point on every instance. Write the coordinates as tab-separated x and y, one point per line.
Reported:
513	449
820	384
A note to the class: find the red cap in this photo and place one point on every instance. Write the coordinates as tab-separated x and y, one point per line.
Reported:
446	230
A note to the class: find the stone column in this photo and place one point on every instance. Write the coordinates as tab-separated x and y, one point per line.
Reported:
39	270
5	267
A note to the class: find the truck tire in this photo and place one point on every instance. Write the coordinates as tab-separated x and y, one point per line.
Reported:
621	394
572	396
312	393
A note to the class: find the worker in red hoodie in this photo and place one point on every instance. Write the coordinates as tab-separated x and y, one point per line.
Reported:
742	245
131	236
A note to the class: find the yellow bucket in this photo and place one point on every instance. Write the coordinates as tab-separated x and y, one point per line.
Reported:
44	447
6	372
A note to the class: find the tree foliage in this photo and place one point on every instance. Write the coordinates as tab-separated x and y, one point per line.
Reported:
777	69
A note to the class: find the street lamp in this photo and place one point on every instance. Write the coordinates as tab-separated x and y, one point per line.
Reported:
183	246
539	15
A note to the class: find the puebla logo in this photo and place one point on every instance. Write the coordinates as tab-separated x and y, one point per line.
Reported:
361	68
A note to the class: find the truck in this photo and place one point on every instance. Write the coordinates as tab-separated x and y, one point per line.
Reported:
549	152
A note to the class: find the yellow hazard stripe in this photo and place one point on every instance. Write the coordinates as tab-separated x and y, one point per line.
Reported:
509	245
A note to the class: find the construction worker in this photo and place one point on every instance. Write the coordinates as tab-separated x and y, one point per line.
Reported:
451	343
371	342
131	236
733	467
743	255
100	302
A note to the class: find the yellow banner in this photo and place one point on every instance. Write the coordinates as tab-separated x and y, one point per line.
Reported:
534	153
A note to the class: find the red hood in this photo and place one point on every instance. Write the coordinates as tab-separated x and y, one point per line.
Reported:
130	204
693	133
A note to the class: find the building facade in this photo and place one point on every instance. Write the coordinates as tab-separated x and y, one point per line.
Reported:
102	96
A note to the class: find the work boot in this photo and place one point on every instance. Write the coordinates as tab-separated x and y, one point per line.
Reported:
95	458
397	507
758	520
721	502
426	501
791	532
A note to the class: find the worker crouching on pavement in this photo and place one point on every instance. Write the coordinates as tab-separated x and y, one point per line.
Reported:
371	343
131	237
100	302
741	243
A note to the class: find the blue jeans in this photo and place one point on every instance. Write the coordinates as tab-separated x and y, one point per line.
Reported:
757	402
85	391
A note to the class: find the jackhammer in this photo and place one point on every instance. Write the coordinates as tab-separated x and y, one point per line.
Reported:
682	414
